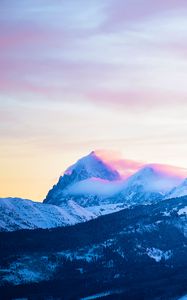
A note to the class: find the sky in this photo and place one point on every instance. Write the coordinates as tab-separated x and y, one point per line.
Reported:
81	75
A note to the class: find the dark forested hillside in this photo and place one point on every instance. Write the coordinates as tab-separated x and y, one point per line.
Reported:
137	253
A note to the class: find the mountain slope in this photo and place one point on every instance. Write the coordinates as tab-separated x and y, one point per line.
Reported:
88	189
16	214
149	184
92	166
179	191
91	171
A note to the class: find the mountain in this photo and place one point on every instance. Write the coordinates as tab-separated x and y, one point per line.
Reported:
92	166
88	176
102	258
88	189
179	191
151	183
130	227
16	214
91	182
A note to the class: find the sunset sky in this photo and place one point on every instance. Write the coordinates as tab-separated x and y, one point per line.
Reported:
80	75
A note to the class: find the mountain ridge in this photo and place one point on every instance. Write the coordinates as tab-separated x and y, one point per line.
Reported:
88	189
90	166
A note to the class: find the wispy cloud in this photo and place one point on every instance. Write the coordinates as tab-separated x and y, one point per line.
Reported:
79	75
123	47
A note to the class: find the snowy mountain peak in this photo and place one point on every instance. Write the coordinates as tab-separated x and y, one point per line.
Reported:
88	167
92	166
143	176
179	191
145	173
155	179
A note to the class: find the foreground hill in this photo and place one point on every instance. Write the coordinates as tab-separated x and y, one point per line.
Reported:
16	214
137	253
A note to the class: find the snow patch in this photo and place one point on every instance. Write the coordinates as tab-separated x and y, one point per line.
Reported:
101	295
182	211
179	191
105	209
158	254
23	276
183	298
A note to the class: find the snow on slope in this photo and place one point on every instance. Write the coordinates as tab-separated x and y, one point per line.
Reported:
91	182
90	168
183	298
158	254
150	183
16	213
105	209
88	189
154	179
179	191
182	211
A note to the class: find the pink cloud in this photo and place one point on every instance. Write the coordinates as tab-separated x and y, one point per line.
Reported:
24	45
114	159
170	170
127	167
137	98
